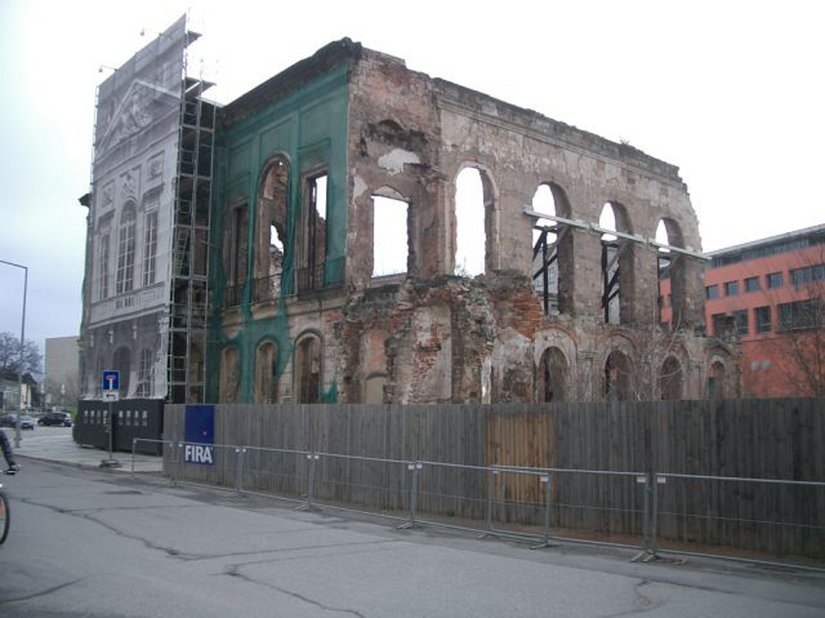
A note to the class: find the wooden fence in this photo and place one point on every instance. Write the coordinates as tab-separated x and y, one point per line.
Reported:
761	439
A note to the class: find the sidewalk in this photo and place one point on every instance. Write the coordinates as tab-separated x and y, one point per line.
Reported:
56	444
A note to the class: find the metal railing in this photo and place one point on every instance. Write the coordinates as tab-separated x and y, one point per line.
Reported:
653	512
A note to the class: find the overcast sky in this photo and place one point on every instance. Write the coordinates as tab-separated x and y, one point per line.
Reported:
731	92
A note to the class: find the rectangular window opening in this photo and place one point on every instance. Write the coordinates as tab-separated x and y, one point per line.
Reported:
390	242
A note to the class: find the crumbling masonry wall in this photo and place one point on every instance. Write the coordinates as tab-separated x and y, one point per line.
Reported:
427	335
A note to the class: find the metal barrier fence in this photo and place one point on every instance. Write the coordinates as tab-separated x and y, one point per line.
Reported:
655	512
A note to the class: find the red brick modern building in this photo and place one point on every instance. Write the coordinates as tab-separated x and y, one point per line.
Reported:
769	296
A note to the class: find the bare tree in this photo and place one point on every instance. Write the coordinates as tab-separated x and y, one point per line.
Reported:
10	357
800	347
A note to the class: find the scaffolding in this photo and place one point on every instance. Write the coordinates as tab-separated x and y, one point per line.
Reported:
189	290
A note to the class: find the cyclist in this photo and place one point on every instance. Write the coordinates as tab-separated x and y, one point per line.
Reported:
5	446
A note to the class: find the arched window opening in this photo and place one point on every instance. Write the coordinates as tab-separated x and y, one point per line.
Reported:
545	251
671	380
271	242
308	369
390	240
553	376
670	268
617	377
716	381
473	201
230	375
374	389
124	280
617	265
266	373
122	363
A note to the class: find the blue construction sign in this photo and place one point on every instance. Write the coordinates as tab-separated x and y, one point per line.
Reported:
199	435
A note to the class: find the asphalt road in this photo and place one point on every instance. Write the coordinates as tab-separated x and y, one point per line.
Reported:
92	543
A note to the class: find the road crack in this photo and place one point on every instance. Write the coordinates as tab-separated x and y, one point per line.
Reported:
234	571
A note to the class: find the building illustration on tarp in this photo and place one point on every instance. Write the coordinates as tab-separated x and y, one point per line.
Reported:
145	286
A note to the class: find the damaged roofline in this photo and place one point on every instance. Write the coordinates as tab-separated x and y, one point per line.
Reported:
276	87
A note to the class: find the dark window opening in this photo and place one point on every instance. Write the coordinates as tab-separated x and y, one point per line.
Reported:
617	377
763	319
731	288
308	370
553	376
312	272
266	374
775	280
801	314
752	284
741	319
712	292
671	380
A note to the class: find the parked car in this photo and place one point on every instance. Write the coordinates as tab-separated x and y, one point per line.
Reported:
10	420
64	419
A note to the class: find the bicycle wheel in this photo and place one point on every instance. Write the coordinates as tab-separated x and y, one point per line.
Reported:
5	517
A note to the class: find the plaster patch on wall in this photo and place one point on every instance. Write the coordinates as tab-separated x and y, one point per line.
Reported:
395	160
358	188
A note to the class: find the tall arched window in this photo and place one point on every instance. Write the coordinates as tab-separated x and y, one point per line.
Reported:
230	375
617	265
617	377
552	250
717	376
552	376
671	379
124	280
307	368
671	271
266	373
474	211
271	237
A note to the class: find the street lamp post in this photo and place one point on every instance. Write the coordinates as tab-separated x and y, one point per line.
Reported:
22	346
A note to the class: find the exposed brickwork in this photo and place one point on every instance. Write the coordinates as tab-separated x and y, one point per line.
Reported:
428	336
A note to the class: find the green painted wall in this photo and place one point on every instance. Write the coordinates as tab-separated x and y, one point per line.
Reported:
309	127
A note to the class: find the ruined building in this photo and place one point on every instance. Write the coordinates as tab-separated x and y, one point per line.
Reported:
306	243
329	168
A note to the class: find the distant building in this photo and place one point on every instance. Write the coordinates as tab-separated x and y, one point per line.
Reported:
769	295
61	381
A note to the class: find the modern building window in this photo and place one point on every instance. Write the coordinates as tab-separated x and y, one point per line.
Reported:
720	323
712	292
808	274
800	314
752	284
775	280
731	288
150	248
742	326
763	319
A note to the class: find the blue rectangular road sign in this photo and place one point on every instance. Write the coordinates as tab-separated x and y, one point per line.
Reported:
111	381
